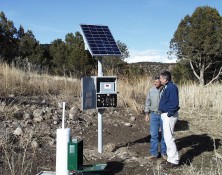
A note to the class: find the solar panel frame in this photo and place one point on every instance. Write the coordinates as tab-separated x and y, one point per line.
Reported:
100	40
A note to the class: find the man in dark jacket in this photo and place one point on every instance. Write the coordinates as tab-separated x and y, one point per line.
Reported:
169	106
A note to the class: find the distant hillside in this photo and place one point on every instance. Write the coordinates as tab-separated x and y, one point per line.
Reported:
152	68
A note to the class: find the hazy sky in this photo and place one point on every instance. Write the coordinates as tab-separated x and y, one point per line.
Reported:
145	26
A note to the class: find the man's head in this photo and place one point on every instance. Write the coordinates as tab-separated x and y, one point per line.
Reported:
157	82
165	77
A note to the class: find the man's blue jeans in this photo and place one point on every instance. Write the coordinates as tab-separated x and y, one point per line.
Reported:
155	125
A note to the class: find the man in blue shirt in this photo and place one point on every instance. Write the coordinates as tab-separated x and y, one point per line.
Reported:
169	106
153	115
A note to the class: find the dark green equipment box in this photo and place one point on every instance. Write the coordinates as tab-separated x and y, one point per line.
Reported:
75	159
75	155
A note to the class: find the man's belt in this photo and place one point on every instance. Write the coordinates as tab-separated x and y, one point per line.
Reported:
157	112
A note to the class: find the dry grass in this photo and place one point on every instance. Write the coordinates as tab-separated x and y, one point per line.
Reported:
195	97
132	93
19	156
17	82
200	106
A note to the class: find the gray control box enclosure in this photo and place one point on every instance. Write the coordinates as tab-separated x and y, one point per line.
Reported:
99	92
106	84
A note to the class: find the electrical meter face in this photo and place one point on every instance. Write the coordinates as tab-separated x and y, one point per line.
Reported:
107	87
106	95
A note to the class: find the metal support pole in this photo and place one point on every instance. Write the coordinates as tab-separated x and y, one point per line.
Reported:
100	68
100	124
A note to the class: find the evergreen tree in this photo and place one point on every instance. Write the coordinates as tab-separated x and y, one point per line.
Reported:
8	40
198	41
78	61
58	52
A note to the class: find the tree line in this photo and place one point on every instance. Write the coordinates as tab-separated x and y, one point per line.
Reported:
68	57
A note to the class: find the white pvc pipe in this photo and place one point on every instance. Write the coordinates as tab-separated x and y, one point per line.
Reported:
63	115
100	121
62	140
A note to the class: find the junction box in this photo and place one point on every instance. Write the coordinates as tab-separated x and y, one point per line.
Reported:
106	94
75	155
99	92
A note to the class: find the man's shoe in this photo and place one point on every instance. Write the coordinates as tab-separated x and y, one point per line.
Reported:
164	156
152	157
169	165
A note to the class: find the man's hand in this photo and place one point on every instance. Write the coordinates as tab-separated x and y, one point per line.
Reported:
147	118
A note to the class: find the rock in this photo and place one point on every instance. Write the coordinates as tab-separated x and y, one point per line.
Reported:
74	110
23	124
55	118
71	116
37	113
18	131
27	116
52	142
45	128
128	124
15	123
29	122
72	113
115	112
2	107
109	147
88	124
91	113
35	144
60	105
48	110
38	118
123	152
132	118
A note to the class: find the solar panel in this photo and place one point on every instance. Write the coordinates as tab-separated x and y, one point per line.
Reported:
100	40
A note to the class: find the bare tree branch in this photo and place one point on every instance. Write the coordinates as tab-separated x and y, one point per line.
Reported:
191	65
210	63
216	77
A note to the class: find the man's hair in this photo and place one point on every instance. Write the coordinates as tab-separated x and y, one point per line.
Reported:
166	74
157	77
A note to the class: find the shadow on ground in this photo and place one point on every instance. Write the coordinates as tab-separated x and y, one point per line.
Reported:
112	168
142	140
196	145
181	125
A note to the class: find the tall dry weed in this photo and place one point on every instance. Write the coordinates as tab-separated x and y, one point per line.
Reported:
18	154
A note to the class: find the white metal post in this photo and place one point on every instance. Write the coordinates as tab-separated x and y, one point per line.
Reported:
63	114
100	124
